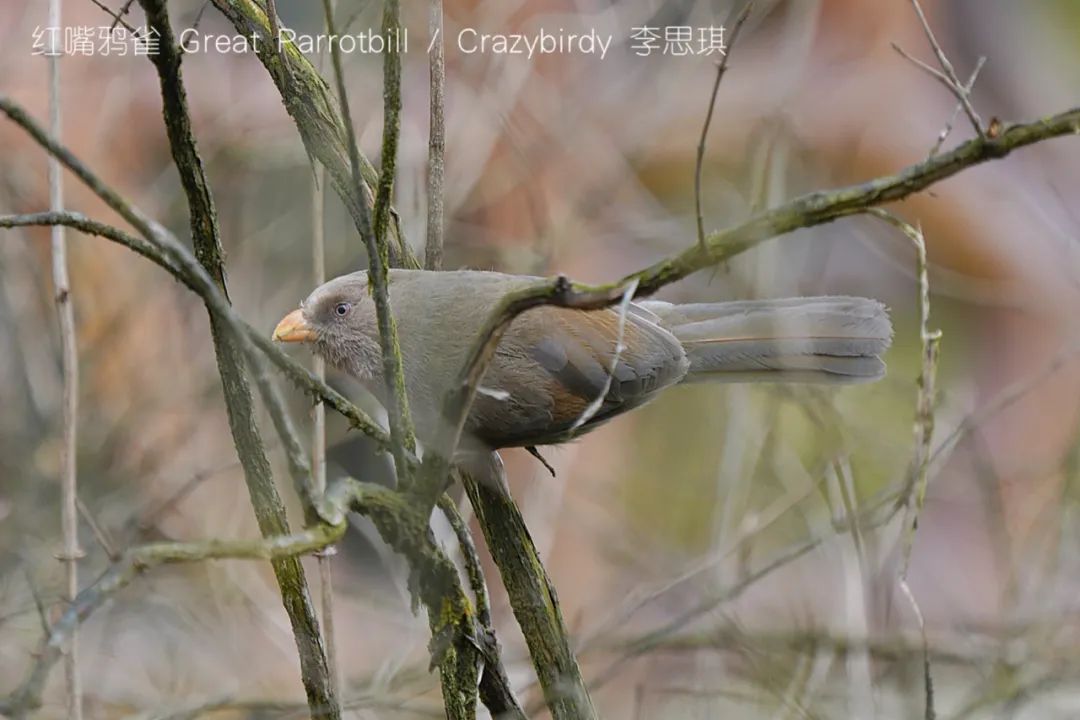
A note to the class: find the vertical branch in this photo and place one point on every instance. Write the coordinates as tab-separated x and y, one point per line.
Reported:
384	190
267	504
914	495
318	431
397	404
433	249
69	516
318	264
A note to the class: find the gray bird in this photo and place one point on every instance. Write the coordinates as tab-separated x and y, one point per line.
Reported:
554	363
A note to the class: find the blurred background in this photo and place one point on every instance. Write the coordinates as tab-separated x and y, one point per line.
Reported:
697	544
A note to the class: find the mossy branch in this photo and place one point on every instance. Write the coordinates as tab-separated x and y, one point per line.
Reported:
308	101
266	502
496	691
532	596
396	401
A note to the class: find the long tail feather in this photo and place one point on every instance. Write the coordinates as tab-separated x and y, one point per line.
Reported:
819	339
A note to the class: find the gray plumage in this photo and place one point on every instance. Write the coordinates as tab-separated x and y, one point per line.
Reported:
552	363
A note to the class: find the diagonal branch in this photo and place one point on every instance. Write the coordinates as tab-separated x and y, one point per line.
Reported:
266	502
959	107
809	210
308	101
531	593
164	251
161	247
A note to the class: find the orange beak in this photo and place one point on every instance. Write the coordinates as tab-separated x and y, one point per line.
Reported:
294	328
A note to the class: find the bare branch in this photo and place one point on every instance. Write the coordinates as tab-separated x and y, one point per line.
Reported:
318	429
950	79
958	109
275	33
95	527
266	502
384	189
806	211
161	247
65	310
118	17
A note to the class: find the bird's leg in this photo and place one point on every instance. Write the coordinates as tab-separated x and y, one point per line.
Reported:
536	454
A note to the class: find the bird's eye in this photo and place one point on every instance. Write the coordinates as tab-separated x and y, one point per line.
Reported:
342	309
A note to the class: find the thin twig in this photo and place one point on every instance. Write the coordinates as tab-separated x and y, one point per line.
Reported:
806	211
1008	396
118	17
949	78
929	713
433	248
318	263
958	109
809	210
404	529
69	494
99	532
384	189
162	247
163	250
699	162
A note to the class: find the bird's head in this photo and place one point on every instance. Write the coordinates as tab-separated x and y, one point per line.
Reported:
338	320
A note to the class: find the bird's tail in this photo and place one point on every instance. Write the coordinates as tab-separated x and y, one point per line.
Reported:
816	339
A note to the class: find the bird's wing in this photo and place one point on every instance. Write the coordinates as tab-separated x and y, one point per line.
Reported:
554	363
